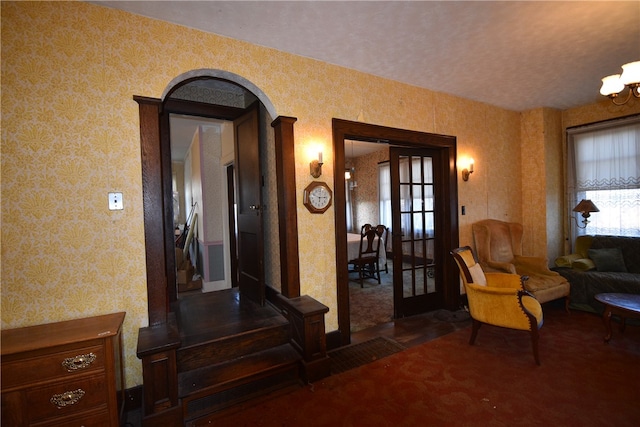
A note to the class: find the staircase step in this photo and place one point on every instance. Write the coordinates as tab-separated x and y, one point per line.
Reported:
215	387
219	326
231	347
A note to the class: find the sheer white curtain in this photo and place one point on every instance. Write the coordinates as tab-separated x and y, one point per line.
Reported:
604	166
417	170
347	192
384	193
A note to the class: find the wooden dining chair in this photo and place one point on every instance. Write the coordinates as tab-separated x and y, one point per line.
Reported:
366	265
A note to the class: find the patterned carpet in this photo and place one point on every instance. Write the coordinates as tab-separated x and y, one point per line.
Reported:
372	304
445	382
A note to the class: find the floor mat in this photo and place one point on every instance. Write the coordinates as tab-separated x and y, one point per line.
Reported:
343	359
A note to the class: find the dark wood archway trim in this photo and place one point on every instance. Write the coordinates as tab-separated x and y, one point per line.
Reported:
153	208
287	209
344	129
155	157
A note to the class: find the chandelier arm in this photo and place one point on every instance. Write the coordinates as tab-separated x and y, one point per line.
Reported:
615	96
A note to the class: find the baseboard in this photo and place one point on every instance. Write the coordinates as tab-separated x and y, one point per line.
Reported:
133	398
334	340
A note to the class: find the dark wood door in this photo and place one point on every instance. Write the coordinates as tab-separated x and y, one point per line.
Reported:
416	234
231	212
249	206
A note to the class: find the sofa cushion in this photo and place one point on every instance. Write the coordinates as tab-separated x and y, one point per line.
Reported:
608	259
583	264
630	247
566	260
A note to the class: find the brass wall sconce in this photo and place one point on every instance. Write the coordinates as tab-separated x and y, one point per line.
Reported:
315	167
585	207
466	172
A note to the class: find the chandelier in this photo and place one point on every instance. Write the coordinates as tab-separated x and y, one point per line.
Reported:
613	85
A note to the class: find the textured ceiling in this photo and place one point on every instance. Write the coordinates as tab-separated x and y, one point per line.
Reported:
515	55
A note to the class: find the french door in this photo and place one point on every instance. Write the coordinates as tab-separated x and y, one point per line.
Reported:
416	233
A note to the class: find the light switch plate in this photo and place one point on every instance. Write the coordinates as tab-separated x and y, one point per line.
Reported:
115	202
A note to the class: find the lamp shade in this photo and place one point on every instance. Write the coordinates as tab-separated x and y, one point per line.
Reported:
611	84
630	73
586	206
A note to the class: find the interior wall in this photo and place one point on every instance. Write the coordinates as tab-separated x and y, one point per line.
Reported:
177	169
541	166
70	134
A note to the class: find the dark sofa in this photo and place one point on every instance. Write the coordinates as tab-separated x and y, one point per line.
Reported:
597	267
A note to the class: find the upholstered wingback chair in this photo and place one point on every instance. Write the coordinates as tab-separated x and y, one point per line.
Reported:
499	248
498	299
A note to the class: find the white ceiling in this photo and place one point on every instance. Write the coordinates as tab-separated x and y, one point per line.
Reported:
516	55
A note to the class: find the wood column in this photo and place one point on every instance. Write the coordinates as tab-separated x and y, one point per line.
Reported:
287	209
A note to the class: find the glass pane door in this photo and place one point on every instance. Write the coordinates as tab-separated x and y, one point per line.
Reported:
414	230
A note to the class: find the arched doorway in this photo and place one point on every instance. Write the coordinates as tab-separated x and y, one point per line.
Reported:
157	185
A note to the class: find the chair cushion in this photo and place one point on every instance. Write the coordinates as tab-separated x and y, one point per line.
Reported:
477	275
608	259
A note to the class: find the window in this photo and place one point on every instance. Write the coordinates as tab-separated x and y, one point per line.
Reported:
604	167
384	193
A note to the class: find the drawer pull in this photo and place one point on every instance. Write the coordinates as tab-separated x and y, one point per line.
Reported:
67	398
80	361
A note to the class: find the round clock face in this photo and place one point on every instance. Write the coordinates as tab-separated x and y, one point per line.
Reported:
317	197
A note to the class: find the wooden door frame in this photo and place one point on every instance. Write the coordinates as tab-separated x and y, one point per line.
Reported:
157	199
344	129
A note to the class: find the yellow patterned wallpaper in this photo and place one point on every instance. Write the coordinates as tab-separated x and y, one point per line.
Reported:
70	135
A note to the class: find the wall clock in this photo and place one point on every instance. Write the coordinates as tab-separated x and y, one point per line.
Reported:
317	197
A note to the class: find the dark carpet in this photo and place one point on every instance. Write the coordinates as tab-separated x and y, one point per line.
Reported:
581	382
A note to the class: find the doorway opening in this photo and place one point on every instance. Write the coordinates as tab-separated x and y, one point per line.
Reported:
157	176
213	124
424	225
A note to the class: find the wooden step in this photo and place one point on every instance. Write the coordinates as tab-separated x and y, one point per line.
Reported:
220	326
231	347
211	388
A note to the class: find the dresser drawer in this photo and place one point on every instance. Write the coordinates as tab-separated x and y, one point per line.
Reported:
62	365
92	419
72	397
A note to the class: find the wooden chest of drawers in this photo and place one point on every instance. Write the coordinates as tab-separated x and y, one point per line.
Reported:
63	374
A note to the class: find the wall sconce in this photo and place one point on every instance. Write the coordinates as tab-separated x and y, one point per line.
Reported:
613	85
347	174
315	167
466	172
585	207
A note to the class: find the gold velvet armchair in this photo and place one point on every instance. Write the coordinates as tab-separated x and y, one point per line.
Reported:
499	246
498	299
